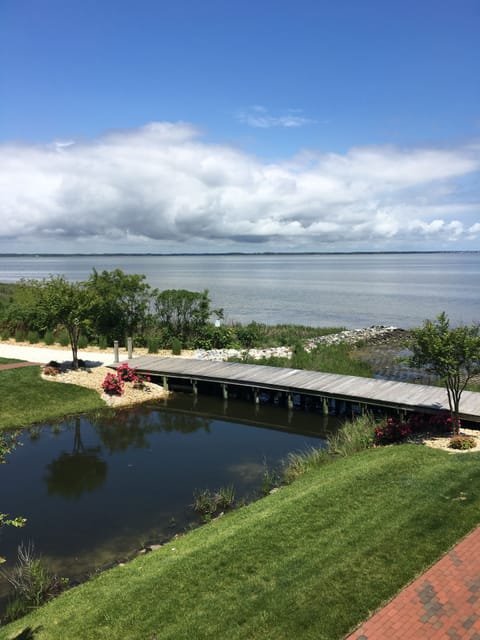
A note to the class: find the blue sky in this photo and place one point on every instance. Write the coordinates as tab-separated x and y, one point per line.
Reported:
239	126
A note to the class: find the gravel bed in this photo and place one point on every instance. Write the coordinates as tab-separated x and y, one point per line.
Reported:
93	378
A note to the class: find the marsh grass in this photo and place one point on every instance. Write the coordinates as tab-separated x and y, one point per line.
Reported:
335	358
298	463
31	581
353	436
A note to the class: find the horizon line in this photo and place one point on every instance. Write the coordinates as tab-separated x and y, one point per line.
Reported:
234	253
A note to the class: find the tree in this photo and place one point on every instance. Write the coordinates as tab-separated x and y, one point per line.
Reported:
68	304
182	313
122	303
451	354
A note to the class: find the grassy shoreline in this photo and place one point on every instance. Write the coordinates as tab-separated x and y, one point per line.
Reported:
310	562
24	394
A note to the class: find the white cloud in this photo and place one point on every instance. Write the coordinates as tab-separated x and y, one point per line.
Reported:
259	117
162	184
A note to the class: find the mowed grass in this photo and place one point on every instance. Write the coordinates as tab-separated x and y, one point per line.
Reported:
27	399
308	562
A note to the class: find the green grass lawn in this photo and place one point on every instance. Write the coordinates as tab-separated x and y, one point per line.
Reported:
27	399
308	562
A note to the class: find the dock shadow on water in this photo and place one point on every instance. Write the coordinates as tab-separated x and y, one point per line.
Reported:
96	489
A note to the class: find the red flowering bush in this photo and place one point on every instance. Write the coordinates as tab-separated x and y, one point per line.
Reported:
398	430
126	373
139	382
113	384
392	431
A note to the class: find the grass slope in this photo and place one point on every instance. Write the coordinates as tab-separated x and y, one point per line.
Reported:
309	562
27	399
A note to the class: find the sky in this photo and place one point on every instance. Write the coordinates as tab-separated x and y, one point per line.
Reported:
247	125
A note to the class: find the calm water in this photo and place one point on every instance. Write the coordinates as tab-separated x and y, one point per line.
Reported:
320	290
100	489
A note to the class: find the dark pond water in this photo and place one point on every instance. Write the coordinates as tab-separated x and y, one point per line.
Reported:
94	490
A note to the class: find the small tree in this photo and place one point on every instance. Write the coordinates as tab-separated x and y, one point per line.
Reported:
451	354
122	303
68	304
182	313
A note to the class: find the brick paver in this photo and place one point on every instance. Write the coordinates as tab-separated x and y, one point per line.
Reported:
442	604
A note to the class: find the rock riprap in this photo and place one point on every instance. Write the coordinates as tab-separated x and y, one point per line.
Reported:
350	336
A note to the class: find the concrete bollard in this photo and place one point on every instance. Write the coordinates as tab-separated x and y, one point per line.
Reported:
130	348
116	359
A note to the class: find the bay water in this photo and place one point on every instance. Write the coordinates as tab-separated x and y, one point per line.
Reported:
350	290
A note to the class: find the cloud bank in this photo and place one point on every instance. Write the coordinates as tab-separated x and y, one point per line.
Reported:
163	187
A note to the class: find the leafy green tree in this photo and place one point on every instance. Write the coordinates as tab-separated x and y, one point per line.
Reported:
183	313
69	305
452	354
122	303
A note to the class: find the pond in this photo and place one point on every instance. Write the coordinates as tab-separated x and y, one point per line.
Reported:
95	489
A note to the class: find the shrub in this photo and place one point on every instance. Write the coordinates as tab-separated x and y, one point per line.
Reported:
33	337
397	430
112	385
139	382
19	335
63	338
48	370
126	373
153	344
462	442
212	337
249	335
82	342
102	342
392	431
49	338
5	334
176	347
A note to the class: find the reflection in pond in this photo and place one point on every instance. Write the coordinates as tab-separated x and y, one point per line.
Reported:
71	474
100	487
129	429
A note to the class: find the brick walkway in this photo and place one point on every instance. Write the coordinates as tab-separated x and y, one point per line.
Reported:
17	365
442	604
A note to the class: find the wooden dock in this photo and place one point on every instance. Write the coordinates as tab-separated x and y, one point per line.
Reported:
401	396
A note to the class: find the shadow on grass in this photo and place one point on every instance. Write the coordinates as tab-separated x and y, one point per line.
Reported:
28	633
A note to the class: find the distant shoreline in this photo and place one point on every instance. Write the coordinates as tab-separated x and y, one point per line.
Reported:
236	253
